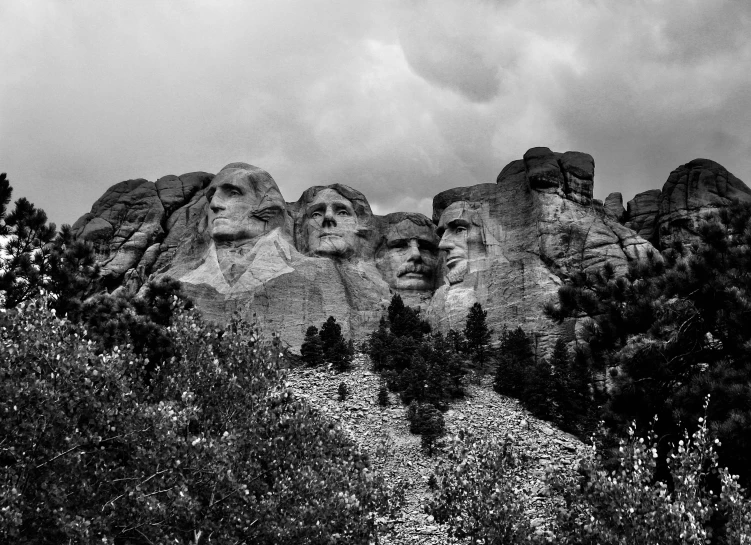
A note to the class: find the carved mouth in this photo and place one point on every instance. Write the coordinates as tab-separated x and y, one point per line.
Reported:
453	261
326	235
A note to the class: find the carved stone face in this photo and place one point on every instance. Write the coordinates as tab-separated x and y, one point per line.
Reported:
331	225
409	256
244	203
460	229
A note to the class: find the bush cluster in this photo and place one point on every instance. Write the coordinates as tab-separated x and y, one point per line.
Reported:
328	345
699	502
421	367
557	390
92	452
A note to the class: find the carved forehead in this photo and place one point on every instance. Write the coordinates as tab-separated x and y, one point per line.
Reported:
408	229
248	177
461	211
330	196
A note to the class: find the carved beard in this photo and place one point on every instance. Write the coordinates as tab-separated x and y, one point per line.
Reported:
456	275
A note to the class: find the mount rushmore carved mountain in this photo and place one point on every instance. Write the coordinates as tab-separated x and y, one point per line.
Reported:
235	244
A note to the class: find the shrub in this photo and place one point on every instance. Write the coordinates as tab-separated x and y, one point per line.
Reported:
477	494
699	503
427	421
383	396
90	454
343	391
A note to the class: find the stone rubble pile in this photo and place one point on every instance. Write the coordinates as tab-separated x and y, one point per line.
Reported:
383	432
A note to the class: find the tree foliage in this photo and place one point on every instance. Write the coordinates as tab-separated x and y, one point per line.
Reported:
35	259
476	332
673	329
92	453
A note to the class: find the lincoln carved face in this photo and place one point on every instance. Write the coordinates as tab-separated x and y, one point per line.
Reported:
244	203
331	225
408	255
460	229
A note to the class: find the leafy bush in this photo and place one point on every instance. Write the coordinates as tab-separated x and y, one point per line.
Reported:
477	494
700	502
90	453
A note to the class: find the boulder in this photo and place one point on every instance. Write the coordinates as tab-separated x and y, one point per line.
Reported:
614	206
641	214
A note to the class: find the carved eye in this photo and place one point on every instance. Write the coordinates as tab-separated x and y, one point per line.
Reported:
316	215
235	192
461	229
343	213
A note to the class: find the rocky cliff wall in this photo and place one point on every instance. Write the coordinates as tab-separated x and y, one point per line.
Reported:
236	244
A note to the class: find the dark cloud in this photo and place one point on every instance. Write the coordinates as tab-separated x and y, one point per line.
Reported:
398	99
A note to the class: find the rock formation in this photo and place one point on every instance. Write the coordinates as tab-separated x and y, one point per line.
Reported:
236	245
691	192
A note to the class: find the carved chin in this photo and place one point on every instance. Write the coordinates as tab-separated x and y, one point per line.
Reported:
456	273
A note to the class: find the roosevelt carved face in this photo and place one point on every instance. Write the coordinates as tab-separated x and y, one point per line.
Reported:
244	203
408	256
460	229
331	225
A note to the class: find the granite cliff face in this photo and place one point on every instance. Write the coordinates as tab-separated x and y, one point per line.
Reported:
237	245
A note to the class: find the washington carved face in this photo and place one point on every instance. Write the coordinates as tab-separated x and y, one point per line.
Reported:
244	203
331	225
460	230
409	255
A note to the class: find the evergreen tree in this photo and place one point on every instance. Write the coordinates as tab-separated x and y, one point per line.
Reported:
476	332
673	329
405	321
311	349
340	356
515	359
36	259
538	391
331	334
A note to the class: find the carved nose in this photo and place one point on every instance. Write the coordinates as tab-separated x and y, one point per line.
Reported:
445	243
329	218
216	204
414	251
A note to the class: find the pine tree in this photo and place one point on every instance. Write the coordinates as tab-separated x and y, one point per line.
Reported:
311	349
476	332
36	259
331	334
405	321
515	359
673	329
537	396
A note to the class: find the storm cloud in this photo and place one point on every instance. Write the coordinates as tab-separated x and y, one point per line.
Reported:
400	100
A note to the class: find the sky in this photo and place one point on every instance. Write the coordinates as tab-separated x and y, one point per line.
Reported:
398	99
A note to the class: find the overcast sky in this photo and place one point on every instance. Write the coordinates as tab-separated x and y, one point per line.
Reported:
399	99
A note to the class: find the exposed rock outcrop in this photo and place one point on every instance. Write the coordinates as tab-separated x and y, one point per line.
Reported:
237	245
690	193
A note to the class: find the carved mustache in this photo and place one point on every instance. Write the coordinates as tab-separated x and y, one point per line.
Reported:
414	268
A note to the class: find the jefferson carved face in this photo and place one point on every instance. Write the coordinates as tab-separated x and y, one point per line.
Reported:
331	225
460	229
244	203
409	255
